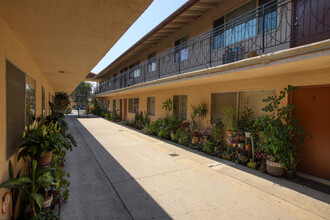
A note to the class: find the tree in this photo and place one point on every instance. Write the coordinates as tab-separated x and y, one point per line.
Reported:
84	89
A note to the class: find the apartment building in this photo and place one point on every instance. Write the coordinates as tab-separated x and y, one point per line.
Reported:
231	53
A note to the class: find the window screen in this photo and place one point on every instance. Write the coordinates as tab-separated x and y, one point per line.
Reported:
151	106
43	100
15	107
30	99
180	106
133	105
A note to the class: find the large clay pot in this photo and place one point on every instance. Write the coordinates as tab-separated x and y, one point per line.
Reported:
45	159
47	201
274	168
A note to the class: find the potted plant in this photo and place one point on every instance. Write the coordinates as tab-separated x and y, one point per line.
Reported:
281	133
39	141
208	146
31	185
247	143
247	120
230	119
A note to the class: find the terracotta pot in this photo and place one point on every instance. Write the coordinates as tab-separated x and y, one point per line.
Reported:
195	140
48	201
274	168
230	133
45	159
226	157
247	147
263	168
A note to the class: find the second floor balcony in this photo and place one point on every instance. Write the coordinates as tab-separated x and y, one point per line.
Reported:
269	28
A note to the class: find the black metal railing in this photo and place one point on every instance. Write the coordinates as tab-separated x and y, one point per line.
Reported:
268	28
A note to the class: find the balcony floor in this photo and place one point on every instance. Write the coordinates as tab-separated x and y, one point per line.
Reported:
119	173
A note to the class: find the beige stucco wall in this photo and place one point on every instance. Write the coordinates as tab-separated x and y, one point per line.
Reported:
202	92
12	49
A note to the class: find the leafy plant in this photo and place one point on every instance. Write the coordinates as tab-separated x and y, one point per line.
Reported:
230	118
183	137
281	130
46	215
168	106
40	138
14	191
199	110
208	146
247	119
218	130
32	184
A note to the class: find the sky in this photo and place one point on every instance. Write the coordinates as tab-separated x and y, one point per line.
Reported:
155	14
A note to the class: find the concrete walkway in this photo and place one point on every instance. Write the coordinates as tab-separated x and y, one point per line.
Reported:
119	173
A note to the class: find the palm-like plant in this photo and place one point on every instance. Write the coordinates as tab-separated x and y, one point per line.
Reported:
230	118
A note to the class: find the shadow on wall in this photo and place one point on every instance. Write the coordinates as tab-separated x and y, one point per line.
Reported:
92	183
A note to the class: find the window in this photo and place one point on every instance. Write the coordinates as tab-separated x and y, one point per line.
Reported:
152	62
48	103
133	105
108	107
242	28
43	101
180	106
15	107
115	104
181	50
270	15
115	78
30	99
134	70
151	106
218	34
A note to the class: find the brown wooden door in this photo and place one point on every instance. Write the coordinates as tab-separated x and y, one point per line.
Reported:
313	112
125	109
311	21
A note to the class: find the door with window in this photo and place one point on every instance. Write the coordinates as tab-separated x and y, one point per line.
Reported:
181	50
311	20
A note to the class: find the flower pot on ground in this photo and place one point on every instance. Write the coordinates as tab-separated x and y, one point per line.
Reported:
274	168
47	201
251	164
194	140
244	159
262	168
247	147
290	174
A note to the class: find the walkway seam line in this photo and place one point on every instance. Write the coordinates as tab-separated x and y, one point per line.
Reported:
103	170
158	174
